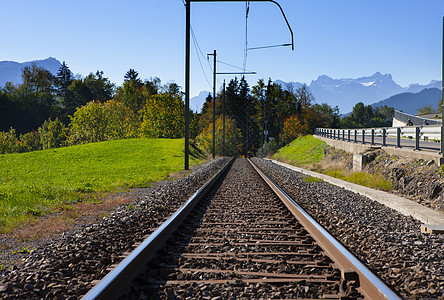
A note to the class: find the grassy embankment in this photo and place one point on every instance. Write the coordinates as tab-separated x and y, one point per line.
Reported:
308	152
37	183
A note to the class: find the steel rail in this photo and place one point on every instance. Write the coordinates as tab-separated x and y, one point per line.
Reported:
370	285
117	282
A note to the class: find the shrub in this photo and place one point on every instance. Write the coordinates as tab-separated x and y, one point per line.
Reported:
53	134
9	142
162	117
96	122
30	142
204	140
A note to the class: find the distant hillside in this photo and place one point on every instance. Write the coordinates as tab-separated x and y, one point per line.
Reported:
12	71
410	102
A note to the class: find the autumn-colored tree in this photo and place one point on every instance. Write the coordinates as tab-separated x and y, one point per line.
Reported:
162	117
292	129
233	138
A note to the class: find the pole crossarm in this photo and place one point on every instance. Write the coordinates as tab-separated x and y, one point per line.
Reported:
239	73
272	1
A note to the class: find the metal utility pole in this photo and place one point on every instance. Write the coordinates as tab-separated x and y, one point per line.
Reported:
223	128
187	83
442	91
214	102
187	63
246	130
266	135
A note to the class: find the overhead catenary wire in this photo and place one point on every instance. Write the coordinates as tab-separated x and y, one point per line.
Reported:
233	66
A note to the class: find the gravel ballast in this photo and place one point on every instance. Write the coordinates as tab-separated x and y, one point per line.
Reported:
392	245
389	243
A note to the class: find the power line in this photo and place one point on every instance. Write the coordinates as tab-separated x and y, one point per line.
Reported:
233	66
198	50
196	46
201	53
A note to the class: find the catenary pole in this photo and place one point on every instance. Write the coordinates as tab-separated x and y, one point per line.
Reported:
214	102
223	128
187	82
442	91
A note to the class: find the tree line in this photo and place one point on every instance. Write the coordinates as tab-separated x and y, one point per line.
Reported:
48	111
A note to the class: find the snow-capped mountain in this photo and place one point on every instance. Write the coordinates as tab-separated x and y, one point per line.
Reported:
346	92
12	71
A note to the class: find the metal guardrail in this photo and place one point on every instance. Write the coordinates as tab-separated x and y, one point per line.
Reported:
426	133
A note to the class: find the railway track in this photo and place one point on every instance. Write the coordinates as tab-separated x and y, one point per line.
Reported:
240	239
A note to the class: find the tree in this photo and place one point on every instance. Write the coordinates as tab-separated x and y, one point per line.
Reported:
39	83
153	86
364	116
53	134
329	115
131	75
292	129
97	122
101	88
205	139
426	109
77	95
162	117
63	80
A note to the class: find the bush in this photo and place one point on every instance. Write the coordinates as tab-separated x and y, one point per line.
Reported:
9	142
53	134
204	140
96	122
162	117
30	142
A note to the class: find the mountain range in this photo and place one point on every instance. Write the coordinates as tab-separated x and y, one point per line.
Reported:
346	92
12	71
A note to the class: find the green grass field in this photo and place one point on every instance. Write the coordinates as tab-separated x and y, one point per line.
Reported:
303	150
36	183
307	150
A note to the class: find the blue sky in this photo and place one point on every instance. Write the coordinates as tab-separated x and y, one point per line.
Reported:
341	39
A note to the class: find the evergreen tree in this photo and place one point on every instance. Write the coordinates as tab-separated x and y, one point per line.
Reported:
63	80
131	75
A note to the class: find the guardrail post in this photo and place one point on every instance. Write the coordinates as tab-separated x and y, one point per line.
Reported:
348	135
384	141
398	137
417	130
356	136
343	134
373	137
363	136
